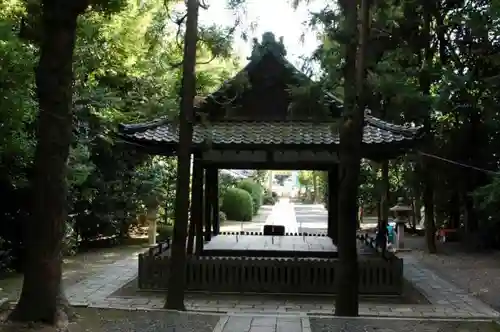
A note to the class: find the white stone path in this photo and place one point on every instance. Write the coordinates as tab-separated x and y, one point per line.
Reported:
283	213
240	314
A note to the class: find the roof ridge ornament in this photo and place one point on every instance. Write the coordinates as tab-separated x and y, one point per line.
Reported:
269	44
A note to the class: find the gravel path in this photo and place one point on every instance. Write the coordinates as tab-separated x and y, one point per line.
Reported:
142	321
383	325
76	268
107	320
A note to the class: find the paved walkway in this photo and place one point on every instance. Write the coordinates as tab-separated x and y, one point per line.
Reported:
284	214
312	218
248	313
256	225
269	323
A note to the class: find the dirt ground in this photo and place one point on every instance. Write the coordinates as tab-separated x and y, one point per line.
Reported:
478	273
109	320
79	267
393	325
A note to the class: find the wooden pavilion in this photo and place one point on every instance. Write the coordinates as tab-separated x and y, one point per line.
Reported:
269	116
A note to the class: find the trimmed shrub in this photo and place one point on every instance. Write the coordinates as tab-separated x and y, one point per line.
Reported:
256	192
237	205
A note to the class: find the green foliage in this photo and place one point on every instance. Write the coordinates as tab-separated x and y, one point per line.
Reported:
122	74
237	204
488	197
226	181
260	176
164	232
255	190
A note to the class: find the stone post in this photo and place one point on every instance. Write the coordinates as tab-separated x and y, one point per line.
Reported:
151	215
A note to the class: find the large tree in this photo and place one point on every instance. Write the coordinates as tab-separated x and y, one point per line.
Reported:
351	133
42	298
177	280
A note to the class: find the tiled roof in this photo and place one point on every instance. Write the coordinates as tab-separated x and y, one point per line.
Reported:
376	131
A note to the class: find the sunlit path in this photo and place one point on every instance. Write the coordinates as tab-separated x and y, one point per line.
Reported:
284	214
311	218
256	225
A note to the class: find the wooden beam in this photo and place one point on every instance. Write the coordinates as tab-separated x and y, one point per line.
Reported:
215	206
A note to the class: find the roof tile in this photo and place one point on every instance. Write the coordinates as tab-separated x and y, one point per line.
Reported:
286	133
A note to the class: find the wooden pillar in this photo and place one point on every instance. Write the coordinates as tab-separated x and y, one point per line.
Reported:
385	194
333	203
191	235
197	210
212	200
215	206
208	203
192	223
197	203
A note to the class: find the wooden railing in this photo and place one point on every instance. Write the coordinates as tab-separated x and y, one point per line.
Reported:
262	233
259	275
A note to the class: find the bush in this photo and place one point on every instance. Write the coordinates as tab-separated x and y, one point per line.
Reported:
275	195
269	200
237	205
256	192
164	232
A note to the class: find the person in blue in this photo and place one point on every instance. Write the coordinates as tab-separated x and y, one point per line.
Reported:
391	232
385	237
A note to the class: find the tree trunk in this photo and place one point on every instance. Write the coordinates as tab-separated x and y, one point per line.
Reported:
347	303
454	211
430	224
177	280
42	298
190	239
425	82
417	205
471	222
315	187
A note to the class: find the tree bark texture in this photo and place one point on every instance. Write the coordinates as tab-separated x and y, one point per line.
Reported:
42	298
427	176
177	280
315	187
347	303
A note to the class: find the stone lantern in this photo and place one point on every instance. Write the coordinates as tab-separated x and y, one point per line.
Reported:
401	213
152	206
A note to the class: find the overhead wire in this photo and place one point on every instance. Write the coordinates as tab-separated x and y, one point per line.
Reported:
453	162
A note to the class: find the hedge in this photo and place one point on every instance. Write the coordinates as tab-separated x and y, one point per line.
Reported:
256	192
237	205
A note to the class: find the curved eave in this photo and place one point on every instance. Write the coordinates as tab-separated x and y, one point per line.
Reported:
266	135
